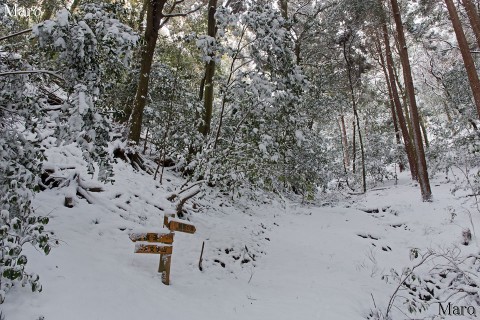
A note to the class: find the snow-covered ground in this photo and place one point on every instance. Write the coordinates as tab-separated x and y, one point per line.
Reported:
261	261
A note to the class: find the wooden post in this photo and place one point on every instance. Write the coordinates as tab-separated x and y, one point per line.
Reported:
166	216
201	257
161	265
164	268
144	239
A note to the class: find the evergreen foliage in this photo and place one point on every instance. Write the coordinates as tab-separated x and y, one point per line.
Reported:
84	49
301	100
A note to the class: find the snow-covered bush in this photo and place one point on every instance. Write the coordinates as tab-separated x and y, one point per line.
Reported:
20	163
263	136
90	46
456	153
170	114
437	277
15	231
84	50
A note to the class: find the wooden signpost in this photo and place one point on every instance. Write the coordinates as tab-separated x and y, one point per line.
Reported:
165	250
181	227
151	248
152	237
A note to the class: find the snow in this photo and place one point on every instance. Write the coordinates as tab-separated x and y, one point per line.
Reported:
82	104
62	17
280	260
60	43
164	31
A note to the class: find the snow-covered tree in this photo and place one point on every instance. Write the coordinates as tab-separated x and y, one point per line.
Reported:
77	55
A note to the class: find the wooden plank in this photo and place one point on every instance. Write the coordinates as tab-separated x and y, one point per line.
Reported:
153	248
181	227
152	237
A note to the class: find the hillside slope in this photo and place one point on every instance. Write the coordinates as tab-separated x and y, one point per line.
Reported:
266	260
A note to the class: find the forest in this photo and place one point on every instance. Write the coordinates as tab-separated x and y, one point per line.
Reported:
321	153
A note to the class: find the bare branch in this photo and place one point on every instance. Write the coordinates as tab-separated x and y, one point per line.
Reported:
8	110
182	201
182	14
31	71
192	185
174	5
16	34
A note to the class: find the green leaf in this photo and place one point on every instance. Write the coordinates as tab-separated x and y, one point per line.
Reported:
12	274
17	225
36	286
22	260
47	249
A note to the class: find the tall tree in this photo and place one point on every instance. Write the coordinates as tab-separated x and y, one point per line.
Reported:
284	8
417	134
466	55
343	129
207	82
396	99
390	97
156	18
473	18
356	122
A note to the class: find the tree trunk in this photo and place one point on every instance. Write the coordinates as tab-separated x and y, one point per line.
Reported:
391	101
142	15
403	94
466	55
474	19
154	16
362	153
48	7
298	48
283	4
403	116
407	73
209	74
354	147
355	114
424	132
346	158
74	6
229	81
145	142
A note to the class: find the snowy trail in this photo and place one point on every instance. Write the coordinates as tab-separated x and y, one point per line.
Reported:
313	269
306	273
327	263
311	263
